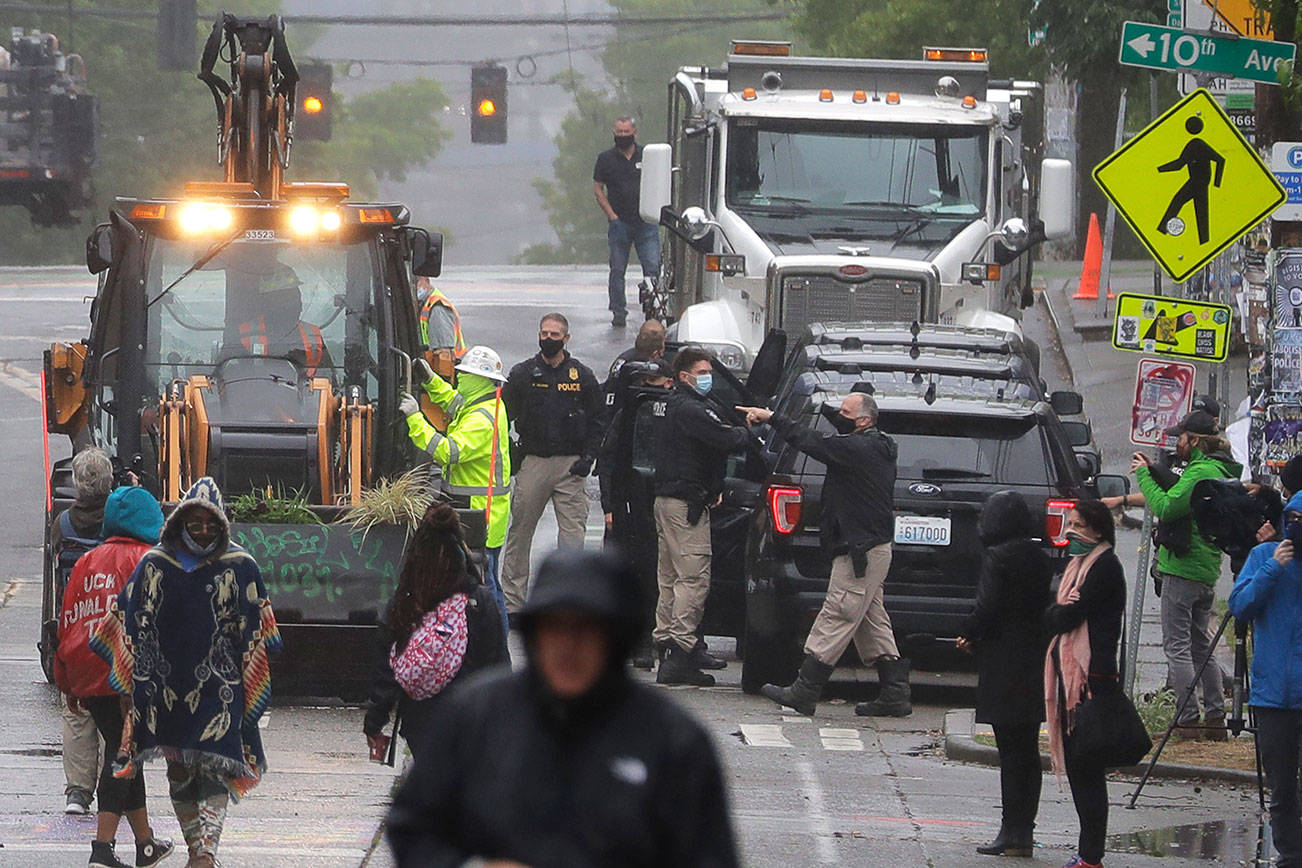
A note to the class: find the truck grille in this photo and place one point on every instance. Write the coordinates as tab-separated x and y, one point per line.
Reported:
823	298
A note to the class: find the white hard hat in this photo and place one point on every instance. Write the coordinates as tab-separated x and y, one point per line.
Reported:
484	362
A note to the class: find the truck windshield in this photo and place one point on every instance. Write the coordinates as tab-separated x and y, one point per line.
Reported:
310	303
878	172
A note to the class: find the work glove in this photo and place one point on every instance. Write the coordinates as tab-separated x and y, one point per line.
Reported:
424	373
581	468
408	406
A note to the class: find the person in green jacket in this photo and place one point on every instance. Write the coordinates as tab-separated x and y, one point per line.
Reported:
1189	576
476	470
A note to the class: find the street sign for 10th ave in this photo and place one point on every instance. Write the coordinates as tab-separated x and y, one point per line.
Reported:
1169	48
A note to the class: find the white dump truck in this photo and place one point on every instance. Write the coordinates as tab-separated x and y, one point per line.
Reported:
810	189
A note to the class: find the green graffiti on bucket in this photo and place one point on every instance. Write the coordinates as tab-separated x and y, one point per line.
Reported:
324	564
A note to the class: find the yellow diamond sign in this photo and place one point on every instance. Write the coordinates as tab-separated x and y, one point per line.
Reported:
1189	185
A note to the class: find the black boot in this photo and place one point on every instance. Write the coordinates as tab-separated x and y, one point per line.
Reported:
703	659
894	700
803	693
677	668
1017	841
644	655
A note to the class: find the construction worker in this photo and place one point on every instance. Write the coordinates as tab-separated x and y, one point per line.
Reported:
273	326
440	324
474	454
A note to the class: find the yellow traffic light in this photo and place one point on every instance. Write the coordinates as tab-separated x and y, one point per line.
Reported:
486	108
313	105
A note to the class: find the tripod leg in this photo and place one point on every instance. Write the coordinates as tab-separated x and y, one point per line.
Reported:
1184	703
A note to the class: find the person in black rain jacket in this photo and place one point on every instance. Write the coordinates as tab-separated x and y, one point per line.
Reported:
569	763
1007	634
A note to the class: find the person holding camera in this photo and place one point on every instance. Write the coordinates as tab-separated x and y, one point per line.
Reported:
1188	573
1268	593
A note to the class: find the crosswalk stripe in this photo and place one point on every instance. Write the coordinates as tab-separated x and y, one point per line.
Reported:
764	735
840	739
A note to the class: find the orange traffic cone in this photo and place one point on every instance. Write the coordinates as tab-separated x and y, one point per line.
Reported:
1093	264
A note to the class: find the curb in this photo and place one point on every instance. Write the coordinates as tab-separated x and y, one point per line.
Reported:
961	746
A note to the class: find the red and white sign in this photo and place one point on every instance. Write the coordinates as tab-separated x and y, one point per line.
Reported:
1164	393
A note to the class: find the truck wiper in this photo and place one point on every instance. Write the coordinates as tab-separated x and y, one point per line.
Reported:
952	473
198	264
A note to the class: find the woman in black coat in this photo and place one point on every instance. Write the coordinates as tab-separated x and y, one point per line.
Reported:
1005	632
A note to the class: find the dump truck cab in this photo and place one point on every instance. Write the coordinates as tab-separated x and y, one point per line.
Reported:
807	189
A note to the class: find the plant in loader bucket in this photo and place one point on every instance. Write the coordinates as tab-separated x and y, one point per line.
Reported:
260	332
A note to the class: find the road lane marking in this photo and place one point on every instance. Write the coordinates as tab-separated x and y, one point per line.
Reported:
816	810
764	735
24	381
840	739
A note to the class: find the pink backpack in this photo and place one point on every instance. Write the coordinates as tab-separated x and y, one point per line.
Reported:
434	652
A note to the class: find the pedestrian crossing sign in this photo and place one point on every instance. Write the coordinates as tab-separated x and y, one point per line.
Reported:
1189	185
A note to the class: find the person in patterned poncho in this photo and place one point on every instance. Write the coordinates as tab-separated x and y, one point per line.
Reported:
187	640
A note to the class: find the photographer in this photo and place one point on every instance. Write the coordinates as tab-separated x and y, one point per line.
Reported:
1189	574
1268	593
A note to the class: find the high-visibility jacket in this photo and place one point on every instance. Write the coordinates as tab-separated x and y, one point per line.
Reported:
466	451
254	337
448	317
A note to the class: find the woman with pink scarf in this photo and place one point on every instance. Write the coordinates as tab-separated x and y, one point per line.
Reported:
1082	662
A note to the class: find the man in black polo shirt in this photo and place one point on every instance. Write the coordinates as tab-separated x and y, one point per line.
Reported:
616	180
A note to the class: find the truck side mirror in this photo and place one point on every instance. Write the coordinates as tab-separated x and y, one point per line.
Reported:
1067	403
657	172
1056	198
1078	433
426	252
1111	485
99	248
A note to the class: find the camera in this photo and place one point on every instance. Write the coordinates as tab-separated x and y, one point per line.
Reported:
1294	534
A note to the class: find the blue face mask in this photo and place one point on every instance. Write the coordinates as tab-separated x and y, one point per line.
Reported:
704	382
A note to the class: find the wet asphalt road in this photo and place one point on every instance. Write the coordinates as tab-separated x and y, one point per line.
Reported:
833	790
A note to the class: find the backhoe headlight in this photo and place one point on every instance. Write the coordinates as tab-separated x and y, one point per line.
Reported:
199	217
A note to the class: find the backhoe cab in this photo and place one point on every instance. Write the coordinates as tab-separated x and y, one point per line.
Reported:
260	332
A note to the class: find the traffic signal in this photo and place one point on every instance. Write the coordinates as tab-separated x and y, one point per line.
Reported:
177	23
488	105
313	102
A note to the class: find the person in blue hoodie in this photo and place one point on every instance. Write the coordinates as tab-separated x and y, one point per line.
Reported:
1268	593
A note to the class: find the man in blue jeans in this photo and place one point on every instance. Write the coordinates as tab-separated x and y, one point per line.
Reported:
1268	592
616	183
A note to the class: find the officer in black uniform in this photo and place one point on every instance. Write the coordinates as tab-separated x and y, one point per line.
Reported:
691	456
627	478
556	404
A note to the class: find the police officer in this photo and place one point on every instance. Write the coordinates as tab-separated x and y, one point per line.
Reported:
857	528
691	453
627	493
476	468
556	404
647	347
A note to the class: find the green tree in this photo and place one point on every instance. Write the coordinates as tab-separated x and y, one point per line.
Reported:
640	60
1081	38
1279	109
158	129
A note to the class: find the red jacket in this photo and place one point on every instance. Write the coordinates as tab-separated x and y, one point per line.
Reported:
96	580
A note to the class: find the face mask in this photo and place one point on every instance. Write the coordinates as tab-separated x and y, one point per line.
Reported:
550	346
1079	545
839	422
704	382
624	142
194	547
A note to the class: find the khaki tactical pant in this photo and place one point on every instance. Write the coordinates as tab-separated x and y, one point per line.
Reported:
538	481
853	610
81	750
683	572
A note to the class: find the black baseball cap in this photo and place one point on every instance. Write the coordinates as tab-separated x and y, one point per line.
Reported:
1197	422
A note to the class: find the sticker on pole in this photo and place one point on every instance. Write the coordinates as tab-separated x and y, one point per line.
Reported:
1189	185
1164	393
1172	327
